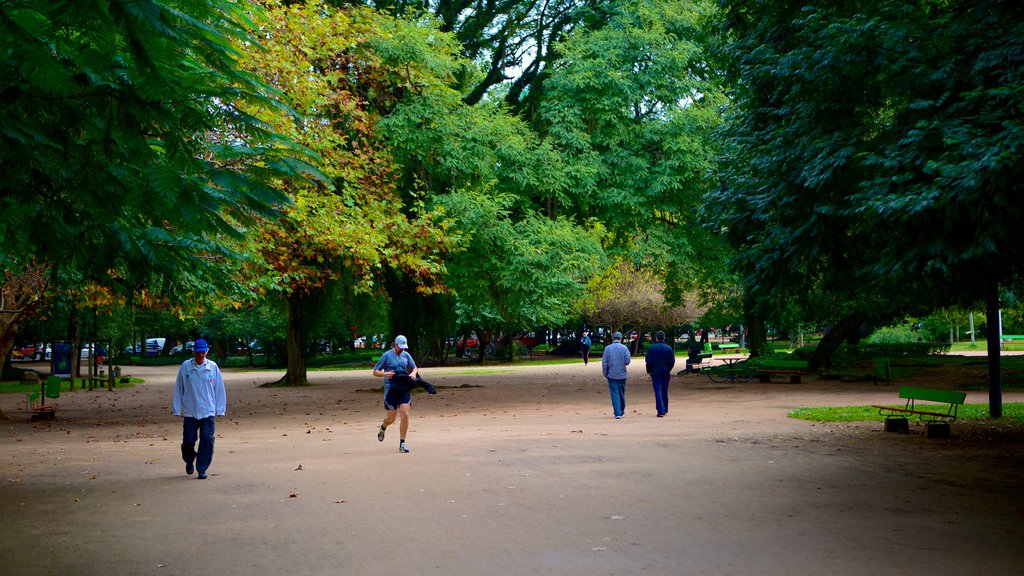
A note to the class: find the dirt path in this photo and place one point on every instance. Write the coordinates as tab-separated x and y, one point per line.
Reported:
513	471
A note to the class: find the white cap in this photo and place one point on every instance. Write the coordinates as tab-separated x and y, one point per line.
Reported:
402	342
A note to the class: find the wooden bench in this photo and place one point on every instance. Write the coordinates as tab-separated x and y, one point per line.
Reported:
792	368
937	422
99	381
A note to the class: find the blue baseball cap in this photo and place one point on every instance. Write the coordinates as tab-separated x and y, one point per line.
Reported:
200	346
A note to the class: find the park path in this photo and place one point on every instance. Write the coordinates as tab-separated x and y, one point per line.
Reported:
513	471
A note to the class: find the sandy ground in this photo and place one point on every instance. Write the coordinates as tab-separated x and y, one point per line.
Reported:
513	471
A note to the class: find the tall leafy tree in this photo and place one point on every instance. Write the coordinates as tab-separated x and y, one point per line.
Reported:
126	157
634	106
512	274
873	153
124	140
343	70
511	42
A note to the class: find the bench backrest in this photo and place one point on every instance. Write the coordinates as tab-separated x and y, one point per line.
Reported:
53	387
928	395
792	364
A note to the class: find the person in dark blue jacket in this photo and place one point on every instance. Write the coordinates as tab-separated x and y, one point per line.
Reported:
585	347
660	360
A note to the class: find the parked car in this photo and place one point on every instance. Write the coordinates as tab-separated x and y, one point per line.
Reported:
154	346
185	348
29	352
88	351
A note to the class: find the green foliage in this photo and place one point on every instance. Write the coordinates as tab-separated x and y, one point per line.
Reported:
870	159
900	334
125	147
516	275
633	106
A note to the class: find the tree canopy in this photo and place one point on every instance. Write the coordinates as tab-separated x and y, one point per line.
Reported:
126	150
873	152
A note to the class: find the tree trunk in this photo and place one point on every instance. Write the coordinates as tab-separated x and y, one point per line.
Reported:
995	379
847	329
301	311
757	338
482	343
75	338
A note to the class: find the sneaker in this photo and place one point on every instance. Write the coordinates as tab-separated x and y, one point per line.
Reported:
403	448
189	468
202	476
380	434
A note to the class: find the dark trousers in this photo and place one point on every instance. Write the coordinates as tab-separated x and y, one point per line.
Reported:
661	392
203	430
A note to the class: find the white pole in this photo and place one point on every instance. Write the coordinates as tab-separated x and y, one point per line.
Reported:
1000	328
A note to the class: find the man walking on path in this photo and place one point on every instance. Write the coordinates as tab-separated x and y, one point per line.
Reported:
585	347
613	365
660	360
199	397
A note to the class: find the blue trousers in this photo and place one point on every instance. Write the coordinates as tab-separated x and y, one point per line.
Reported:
661	392
202	429
617	388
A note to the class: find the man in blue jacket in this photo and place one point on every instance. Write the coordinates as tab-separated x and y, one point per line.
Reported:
613	365
660	360
199	398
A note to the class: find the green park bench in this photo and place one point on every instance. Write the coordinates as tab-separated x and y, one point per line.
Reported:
709	347
792	368
1012	338
937	422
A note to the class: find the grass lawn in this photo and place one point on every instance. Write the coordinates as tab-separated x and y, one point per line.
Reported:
1011	411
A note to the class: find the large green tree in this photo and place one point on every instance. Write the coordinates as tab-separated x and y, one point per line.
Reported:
126	157
510	42
124	143
343	70
874	154
634	106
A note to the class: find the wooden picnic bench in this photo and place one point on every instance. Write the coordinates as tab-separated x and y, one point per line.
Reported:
792	368
937	422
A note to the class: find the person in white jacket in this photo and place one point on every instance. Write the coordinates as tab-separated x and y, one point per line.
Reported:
199	397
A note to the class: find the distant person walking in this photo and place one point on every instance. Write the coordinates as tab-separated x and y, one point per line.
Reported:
199	397
613	365
396	361
585	347
660	361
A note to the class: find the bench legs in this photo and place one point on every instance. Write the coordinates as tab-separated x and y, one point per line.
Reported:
937	429
901	425
897	424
